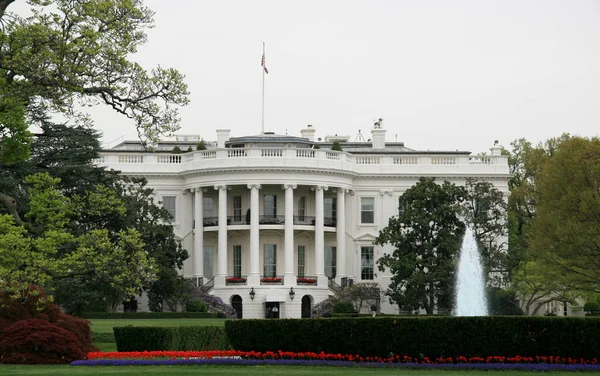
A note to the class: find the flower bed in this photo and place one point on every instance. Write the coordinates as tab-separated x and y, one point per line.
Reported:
307	280
234	357
236	280
271	279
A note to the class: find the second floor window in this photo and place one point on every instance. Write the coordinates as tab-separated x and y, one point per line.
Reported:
237	208
208	207
170	204
270	206
301	208
367	210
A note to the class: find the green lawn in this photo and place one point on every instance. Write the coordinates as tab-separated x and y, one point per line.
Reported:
107	325
243	370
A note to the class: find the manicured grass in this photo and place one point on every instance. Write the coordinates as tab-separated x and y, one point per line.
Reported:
243	370
107	325
106	346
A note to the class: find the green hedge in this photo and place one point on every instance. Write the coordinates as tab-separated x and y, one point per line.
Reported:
149	315
422	336
138	338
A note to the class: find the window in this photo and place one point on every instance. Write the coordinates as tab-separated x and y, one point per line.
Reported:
209	251
330	262
270	206
301	260
208	207
170	204
402	206
270	261
301	208
237	261
237	208
366	263
367	210
330	212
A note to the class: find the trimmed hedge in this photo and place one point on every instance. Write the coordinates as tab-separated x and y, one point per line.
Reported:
422	336
137	338
149	315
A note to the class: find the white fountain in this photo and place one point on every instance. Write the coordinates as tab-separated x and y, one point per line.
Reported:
470	285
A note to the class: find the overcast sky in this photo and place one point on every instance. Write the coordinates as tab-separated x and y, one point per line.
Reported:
443	75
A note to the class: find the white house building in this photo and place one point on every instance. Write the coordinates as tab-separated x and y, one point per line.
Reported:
274	224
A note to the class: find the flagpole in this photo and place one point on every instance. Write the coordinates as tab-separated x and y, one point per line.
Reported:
262	128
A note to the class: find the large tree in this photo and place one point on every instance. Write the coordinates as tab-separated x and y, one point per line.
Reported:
426	238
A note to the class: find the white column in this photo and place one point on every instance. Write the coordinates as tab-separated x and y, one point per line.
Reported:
222	239
254	275
198	236
320	237
289	277
341	235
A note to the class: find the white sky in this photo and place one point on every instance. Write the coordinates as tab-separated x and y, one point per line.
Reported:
443	75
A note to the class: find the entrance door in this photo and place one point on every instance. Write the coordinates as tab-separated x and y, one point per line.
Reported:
306	307
273	310
236	303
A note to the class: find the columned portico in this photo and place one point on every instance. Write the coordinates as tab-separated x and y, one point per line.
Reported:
254	274
341	235
222	237
289	276
320	236
198	236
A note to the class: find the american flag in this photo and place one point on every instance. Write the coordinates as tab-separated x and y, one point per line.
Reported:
262	64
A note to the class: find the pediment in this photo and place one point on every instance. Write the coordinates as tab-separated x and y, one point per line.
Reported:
366	237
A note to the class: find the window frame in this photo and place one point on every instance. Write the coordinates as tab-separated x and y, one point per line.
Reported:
364	273
269	269
363	212
173	212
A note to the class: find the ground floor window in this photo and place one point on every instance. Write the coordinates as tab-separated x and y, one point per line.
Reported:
237	261
366	263
330	262
270	261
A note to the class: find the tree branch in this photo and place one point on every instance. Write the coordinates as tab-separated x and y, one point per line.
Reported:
11	204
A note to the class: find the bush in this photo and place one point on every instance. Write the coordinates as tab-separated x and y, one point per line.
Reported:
201	145
81	329
149	315
336	146
592	308
343	307
182	338
35	305
325	308
36	341
176	150
195	306
419	336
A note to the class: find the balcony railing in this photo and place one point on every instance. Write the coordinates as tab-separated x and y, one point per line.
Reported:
271	219
304	220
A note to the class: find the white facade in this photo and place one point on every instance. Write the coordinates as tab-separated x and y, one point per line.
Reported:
272	213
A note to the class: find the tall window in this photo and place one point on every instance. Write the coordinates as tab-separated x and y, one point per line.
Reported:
301	260
209	251
237	208
366	262
270	260
330	210
330	262
367	210
270	206
301	208
208	207
170	204
402	206
237	261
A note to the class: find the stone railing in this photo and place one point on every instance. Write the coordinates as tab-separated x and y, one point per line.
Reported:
132	162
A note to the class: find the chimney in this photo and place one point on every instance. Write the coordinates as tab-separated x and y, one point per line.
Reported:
308	132
222	137
378	135
496	149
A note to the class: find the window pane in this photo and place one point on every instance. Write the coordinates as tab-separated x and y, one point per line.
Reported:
208	261
330	261
237	208
301	208
208	207
301	260
270	205
169	203
237	261
366	262
367	206
270	261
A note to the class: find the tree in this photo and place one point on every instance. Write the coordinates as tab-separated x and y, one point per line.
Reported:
565	233
70	53
426	238
485	209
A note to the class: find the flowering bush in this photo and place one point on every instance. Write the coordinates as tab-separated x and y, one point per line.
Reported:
271	279
214	303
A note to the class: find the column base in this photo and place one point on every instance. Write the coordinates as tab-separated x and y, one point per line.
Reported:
290	280
253	280
220	280
322	281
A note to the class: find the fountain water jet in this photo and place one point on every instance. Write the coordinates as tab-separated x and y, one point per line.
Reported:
470	284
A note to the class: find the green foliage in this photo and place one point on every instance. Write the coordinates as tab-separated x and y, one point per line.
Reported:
195	306
503	302
149	315
316	146
426	238
201	145
420	336
15	137
176	150
592	308
68	53
171	338
336	146
343	307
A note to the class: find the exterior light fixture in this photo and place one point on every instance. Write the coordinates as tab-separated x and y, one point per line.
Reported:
292	293
252	293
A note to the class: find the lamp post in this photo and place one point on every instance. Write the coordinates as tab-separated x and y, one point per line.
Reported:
252	293
292	293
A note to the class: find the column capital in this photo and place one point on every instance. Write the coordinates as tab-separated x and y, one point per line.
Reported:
383	192
320	188
186	190
220	187
251	186
288	185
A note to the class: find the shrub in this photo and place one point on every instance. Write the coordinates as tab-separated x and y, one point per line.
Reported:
592	308
336	146
343	307
213	303
176	150
201	145
36	341
325	308
195	306
135	338
149	315
35	304
81	329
